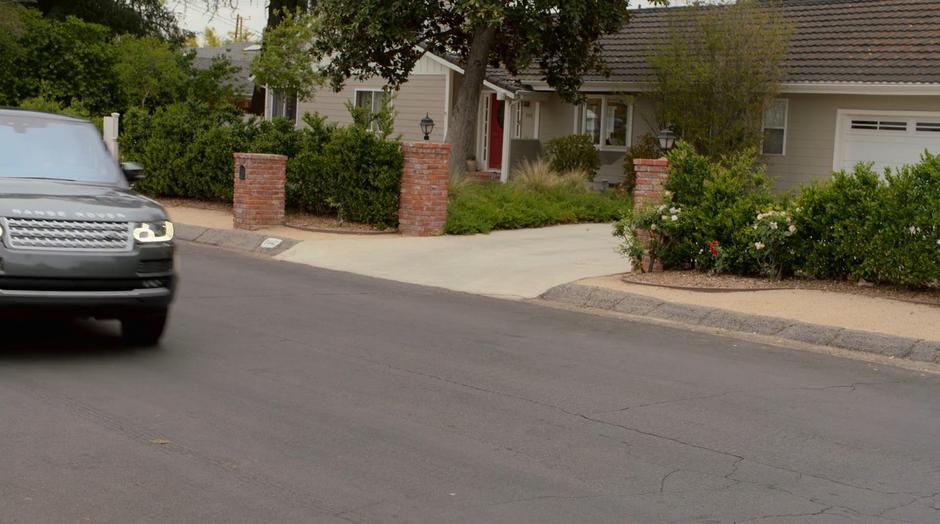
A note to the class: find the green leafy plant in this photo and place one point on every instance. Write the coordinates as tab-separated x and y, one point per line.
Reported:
774	245
861	226
646	147
476	207
573	152
718	200
651	230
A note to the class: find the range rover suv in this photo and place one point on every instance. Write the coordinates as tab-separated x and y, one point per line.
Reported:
74	239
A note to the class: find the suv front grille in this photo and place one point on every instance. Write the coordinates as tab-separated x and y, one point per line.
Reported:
67	235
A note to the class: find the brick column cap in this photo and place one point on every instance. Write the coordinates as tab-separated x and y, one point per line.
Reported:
424	144
651	162
262	156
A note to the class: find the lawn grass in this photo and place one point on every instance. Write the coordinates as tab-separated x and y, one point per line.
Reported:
481	208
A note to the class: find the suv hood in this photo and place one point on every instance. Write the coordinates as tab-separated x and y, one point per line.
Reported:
66	200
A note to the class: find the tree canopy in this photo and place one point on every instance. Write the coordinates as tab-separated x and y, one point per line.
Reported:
717	70
135	17
70	63
380	38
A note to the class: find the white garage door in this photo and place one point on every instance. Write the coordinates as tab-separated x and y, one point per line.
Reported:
887	139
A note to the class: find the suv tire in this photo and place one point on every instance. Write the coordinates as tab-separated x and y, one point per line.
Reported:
144	330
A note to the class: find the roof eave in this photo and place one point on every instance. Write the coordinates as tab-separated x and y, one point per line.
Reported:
834	88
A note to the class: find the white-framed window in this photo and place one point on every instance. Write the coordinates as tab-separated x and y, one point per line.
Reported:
485	139
371	99
517	120
608	120
775	128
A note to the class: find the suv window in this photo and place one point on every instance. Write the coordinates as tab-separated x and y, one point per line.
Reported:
36	147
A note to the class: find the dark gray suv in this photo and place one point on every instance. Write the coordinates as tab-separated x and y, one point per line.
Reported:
74	239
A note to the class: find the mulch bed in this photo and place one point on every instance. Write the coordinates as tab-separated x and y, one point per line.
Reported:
705	282
305	221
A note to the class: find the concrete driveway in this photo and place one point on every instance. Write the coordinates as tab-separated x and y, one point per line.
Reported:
511	264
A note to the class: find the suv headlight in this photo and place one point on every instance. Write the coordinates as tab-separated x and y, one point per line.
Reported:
149	232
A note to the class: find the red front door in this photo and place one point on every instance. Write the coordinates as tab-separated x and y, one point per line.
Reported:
496	133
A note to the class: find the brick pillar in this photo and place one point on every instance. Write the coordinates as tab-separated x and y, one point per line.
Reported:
259	190
422	209
650	176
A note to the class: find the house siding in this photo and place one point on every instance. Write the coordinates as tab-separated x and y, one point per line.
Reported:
811	132
421	94
810	135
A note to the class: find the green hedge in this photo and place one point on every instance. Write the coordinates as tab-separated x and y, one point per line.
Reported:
880	229
484	207
719	216
186	149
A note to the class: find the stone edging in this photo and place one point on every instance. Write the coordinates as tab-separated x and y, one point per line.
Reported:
236	239
633	304
627	280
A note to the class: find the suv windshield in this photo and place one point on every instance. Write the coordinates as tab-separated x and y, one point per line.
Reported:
36	146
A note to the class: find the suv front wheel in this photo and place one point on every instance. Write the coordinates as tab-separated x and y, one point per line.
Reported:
143	330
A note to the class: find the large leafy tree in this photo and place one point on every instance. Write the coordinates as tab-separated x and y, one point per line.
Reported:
717	70
558	38
66	62
135	17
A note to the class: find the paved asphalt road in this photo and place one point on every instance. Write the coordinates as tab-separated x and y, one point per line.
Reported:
284	393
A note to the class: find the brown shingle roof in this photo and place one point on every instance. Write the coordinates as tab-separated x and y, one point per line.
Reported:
872	41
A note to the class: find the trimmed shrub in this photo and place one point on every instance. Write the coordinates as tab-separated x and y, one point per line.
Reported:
187	150
859	226
364	176
573	152
308	181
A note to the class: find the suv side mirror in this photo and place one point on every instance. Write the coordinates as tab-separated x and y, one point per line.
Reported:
132	171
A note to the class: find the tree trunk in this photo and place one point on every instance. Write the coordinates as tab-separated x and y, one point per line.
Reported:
463	119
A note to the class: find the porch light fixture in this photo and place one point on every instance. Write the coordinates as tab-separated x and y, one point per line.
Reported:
427	125
667	139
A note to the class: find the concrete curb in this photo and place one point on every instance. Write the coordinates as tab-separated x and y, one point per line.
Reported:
235	239
632	304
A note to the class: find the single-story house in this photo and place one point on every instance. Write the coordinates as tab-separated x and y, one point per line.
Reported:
862	84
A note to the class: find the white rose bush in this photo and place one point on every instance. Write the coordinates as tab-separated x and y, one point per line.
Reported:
773	242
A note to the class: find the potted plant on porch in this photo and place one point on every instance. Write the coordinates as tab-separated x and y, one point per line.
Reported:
471	163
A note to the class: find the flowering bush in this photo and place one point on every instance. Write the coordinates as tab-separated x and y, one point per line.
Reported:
773	243
650	229
719	200
858	225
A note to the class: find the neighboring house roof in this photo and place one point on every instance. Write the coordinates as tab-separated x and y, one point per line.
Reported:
240	54
834	42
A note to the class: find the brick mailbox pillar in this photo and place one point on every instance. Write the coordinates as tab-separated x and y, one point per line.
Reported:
259	190
650	176
422	209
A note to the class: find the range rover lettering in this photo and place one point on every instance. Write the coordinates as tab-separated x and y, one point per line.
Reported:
74	239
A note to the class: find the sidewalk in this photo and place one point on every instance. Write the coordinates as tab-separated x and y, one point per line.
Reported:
519	264
860	323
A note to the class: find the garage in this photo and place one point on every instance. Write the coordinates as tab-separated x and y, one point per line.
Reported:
888	139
